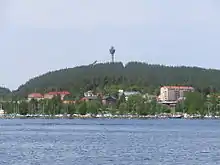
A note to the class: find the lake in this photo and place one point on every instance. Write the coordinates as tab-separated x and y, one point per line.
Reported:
109	142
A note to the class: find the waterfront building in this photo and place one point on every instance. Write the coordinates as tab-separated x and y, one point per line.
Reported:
173	93
36	96
62	94
89	94
127	94
109	100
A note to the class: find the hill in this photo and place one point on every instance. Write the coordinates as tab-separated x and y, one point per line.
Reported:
134	76
4	91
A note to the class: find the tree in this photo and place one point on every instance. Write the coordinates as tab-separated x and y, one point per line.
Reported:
122	108
33	106
71	109
135	104
134	75
194	103
93	107
23	108
120	100
82	108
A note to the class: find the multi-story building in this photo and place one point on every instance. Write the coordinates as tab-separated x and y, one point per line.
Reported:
173	93
36	96
50	95
62	94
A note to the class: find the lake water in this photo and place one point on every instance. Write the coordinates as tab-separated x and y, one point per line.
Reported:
109	142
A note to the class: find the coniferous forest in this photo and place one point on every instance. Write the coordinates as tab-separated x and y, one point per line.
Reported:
107	79
133	76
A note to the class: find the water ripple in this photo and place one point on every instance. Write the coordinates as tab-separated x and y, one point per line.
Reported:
109	142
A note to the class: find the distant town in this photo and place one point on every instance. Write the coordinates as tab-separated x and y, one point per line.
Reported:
167	104
169	95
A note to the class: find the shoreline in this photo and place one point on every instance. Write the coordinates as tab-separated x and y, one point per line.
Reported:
149	117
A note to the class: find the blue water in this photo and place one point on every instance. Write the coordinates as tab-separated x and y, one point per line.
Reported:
109	142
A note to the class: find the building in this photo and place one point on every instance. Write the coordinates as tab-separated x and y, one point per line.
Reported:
89	98
127	93
62	94
83	99
36	96
69	102
109	100
173	93
89	94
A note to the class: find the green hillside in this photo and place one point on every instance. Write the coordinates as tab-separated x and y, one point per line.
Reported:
4	91
132	76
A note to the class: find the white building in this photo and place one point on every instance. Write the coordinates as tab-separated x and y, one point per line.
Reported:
36	96
173	93
128	93
89	94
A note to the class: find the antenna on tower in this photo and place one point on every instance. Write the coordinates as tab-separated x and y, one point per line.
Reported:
112	52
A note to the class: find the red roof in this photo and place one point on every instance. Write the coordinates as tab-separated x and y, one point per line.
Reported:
179	87
35	95
84	99
59	93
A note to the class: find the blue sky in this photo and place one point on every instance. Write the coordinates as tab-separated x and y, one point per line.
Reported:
38	36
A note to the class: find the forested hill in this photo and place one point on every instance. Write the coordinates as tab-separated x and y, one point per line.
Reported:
4	91
134	75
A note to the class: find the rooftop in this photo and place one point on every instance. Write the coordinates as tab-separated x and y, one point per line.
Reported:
179	87
35	95
59	93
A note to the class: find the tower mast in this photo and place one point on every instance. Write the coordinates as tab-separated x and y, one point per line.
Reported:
112	52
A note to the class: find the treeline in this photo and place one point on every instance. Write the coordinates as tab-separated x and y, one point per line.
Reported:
195	103
133	76
134	105
198	103
4	91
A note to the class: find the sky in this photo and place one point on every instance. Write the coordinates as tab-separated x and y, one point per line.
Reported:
38	36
